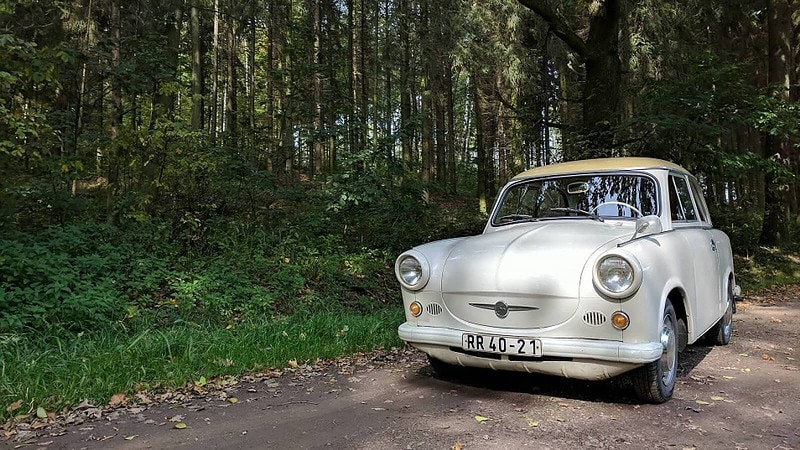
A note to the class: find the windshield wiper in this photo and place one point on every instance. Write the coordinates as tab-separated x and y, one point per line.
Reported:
516	217
579	211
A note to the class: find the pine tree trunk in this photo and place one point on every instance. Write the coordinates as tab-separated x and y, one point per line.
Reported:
451	128
231	107
197	71
317	161
116	111
406	136
215	76
480	146
775	227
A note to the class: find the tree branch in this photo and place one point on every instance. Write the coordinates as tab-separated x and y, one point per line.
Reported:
558	25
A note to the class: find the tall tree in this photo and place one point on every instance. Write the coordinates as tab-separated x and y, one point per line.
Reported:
779	46
198	91
599	52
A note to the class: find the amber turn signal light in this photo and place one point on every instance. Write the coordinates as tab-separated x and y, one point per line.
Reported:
415	309
620	320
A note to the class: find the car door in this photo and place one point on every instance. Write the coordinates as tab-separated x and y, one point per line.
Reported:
691	221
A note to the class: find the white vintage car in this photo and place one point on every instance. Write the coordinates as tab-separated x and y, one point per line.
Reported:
586	269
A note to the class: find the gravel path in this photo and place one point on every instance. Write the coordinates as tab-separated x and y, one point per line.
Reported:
742	396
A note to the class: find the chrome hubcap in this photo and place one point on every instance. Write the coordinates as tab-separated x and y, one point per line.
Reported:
668	355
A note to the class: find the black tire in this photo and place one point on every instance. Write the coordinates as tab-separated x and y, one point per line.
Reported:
683	335
654	382
720	333
442	369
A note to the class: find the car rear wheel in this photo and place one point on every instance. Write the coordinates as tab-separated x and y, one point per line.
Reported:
654	382
720	334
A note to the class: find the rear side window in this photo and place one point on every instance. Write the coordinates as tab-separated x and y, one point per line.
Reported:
680	200
699	200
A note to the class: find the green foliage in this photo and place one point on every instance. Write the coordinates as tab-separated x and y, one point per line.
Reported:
27	71
763	267
55	370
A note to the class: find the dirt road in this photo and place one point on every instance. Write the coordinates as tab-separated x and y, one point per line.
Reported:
742	396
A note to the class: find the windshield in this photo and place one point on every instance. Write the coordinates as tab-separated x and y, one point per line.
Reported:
588	196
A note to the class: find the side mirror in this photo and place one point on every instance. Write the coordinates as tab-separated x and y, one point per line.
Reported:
647	225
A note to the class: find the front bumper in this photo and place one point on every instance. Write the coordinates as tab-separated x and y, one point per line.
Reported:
578	358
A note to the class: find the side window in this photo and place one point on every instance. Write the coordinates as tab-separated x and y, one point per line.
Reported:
680	199
699	200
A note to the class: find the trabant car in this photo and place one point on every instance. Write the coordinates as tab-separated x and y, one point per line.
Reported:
586	269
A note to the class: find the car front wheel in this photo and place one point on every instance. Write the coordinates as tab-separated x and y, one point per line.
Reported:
442	369
654	382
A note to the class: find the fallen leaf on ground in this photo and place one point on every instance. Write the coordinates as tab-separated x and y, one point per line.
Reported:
14	406
717	398
533	423
179	426
293	363
746	370
233	400
702	402
118	399
481	419
766	357
131	437
202	381
41	413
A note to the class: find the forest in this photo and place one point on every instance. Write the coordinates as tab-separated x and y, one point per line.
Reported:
187	180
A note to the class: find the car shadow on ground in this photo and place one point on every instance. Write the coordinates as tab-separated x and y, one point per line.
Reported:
615	390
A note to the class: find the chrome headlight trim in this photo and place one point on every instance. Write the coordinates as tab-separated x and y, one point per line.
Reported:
616	275
412	270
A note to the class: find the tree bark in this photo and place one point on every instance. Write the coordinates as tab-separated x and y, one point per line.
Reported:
451	128
779	33
197	70
406	136
231	106
215	77
480	146
317	157
116	110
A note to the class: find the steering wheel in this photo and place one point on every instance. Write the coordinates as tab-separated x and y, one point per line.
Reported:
627	205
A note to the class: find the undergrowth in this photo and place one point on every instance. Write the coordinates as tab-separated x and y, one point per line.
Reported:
57	370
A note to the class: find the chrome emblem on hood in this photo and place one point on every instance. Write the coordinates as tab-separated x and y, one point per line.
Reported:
501	308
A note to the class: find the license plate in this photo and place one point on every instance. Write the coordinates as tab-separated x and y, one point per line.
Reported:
505	345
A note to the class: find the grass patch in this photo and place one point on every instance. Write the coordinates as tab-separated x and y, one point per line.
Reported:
57	371
764	267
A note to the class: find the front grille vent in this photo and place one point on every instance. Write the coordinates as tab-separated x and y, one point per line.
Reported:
594	318
434	309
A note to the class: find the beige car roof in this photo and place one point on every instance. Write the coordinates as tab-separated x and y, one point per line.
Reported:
600	164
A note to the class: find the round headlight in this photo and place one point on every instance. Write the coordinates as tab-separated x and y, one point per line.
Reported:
616	276
412	270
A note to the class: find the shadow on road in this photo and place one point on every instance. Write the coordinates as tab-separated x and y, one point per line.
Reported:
615	390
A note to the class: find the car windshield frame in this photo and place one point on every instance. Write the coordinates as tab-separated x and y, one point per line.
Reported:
569	211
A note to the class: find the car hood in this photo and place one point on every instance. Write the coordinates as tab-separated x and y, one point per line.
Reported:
535	268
